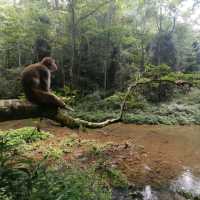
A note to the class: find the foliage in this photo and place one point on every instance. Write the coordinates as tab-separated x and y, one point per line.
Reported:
68	95
158	92
72	184
10	86
163	50
179	109
22	178
22	136
193	78
99	45
15	175
115	100
117	179
156	72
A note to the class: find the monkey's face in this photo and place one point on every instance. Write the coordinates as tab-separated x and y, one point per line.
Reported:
50	63
53	67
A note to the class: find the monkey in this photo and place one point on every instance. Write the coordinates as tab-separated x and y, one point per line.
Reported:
184	85
180	83
36	81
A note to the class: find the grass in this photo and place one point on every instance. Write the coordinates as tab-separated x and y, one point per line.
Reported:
24	178
182	109
72	184
115	176
23	135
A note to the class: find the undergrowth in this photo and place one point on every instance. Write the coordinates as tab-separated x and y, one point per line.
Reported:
23	178
181	109
23	135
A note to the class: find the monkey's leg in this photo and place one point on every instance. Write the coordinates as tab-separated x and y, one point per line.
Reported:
47	98
58	102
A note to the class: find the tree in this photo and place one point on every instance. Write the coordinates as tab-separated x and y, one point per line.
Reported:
162	48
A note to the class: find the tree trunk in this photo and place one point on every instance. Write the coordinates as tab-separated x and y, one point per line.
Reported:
56	4
62	73
19	55
18	109
105	75
142	61
73	70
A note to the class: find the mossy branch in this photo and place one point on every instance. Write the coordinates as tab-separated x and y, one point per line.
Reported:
19	109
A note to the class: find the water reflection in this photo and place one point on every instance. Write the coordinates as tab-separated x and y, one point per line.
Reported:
148	194
187	183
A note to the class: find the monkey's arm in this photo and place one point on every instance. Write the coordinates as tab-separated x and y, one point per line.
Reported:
45	80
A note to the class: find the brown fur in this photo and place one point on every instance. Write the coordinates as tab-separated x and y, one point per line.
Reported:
36	80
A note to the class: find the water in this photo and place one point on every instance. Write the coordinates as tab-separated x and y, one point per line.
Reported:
170	169
149	194
187	184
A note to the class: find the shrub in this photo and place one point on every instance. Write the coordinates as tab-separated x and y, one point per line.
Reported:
68	95
115	100
72	184
10	86
156	72
158	92
23	135
25	179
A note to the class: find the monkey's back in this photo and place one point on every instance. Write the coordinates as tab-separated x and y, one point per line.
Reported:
36	84
31	79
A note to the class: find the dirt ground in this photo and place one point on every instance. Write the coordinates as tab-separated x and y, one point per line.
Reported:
146	154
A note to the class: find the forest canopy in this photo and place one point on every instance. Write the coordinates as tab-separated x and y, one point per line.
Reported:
98	44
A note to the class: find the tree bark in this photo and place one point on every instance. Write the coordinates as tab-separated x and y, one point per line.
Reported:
19	109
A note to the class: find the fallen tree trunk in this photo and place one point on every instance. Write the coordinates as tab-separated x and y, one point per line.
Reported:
18	109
